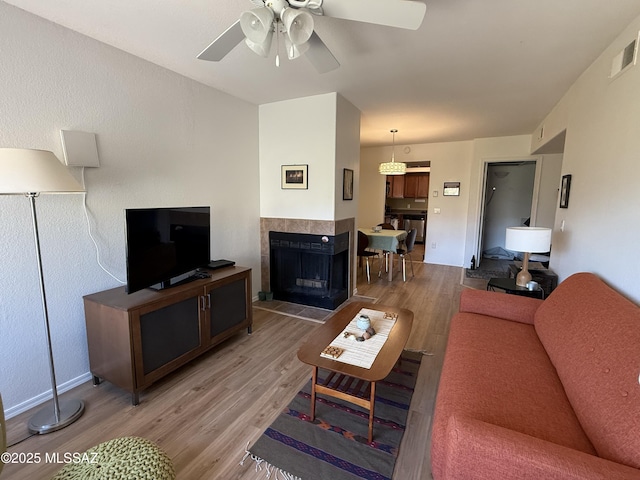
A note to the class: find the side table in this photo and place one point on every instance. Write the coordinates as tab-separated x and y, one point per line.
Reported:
509	286
545	277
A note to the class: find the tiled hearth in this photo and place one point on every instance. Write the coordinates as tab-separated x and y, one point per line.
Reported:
295	225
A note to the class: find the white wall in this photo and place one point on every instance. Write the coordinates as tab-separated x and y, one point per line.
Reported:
347	156
454	230
602	153
488	150
299	132
163	140
549	193
450	162
371	188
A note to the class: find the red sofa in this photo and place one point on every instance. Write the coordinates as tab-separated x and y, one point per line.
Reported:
534	389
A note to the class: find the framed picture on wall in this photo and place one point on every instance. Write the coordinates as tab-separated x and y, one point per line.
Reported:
347	184
451	189
564	191
294	176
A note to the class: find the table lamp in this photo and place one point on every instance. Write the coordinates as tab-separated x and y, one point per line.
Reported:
527	240
31	173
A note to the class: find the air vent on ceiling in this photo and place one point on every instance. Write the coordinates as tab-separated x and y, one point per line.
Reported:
625	59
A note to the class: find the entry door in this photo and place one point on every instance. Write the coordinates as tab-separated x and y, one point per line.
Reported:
508	201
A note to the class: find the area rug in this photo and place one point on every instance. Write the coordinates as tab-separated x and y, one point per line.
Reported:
334	446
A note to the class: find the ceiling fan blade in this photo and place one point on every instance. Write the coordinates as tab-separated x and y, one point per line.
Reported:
320	56
407	14
222	45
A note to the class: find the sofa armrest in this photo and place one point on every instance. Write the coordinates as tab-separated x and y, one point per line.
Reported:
500	305
479	450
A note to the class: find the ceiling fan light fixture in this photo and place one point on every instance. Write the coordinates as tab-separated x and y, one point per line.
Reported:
294	51
262	48
298	24
393	167
257	24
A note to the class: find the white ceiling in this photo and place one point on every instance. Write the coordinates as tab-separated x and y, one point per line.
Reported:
474	68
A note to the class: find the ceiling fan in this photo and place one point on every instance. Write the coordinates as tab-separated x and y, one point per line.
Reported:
293	20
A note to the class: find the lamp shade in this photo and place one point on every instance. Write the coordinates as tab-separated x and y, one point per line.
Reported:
34	171
256	24
298	24
528	239
392	168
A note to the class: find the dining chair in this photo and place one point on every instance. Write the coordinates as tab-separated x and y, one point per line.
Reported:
405	252
386	226
363	243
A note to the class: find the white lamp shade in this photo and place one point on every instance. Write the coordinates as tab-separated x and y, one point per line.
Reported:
34	171
528	239
261	48
256	24
299	25
392	168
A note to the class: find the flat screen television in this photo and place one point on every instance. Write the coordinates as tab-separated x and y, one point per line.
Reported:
165	245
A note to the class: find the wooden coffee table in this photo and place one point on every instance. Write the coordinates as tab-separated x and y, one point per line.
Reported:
360	382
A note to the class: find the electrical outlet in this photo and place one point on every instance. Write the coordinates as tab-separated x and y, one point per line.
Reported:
433	244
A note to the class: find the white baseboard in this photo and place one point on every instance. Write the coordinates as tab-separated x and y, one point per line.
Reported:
48	395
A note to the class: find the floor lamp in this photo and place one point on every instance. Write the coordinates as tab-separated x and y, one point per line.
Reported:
31	173
527	240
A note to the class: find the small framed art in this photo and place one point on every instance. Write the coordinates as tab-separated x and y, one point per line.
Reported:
295	176
451	189
347	184
564	191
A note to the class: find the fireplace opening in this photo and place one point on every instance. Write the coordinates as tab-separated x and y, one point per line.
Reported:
309	269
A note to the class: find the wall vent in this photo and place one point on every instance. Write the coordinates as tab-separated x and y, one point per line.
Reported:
625	59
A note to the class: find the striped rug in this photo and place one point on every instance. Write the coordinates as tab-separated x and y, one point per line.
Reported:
334	446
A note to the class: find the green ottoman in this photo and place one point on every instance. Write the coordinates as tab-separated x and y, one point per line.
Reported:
129	458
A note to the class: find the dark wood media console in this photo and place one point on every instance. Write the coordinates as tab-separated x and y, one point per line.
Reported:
135	340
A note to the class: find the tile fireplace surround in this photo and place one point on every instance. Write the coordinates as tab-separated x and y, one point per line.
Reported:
296	225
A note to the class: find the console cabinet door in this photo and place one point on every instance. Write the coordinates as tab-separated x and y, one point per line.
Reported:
166	335
229	307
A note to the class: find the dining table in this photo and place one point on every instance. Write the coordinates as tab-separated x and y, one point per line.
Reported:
387	241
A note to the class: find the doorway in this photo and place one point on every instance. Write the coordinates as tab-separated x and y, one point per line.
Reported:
509	197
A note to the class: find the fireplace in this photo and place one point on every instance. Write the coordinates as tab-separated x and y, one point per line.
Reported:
309	269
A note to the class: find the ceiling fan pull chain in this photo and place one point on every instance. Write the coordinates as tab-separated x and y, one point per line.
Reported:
277	32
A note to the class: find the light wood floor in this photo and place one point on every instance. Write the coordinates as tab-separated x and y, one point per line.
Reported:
206	413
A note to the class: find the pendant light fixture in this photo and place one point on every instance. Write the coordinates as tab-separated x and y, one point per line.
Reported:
393	167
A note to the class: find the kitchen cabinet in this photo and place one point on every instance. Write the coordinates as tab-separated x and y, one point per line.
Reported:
135	340
395	186
416	185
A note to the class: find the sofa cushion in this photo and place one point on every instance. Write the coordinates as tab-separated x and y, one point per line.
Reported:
496	371
592	336
481	451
